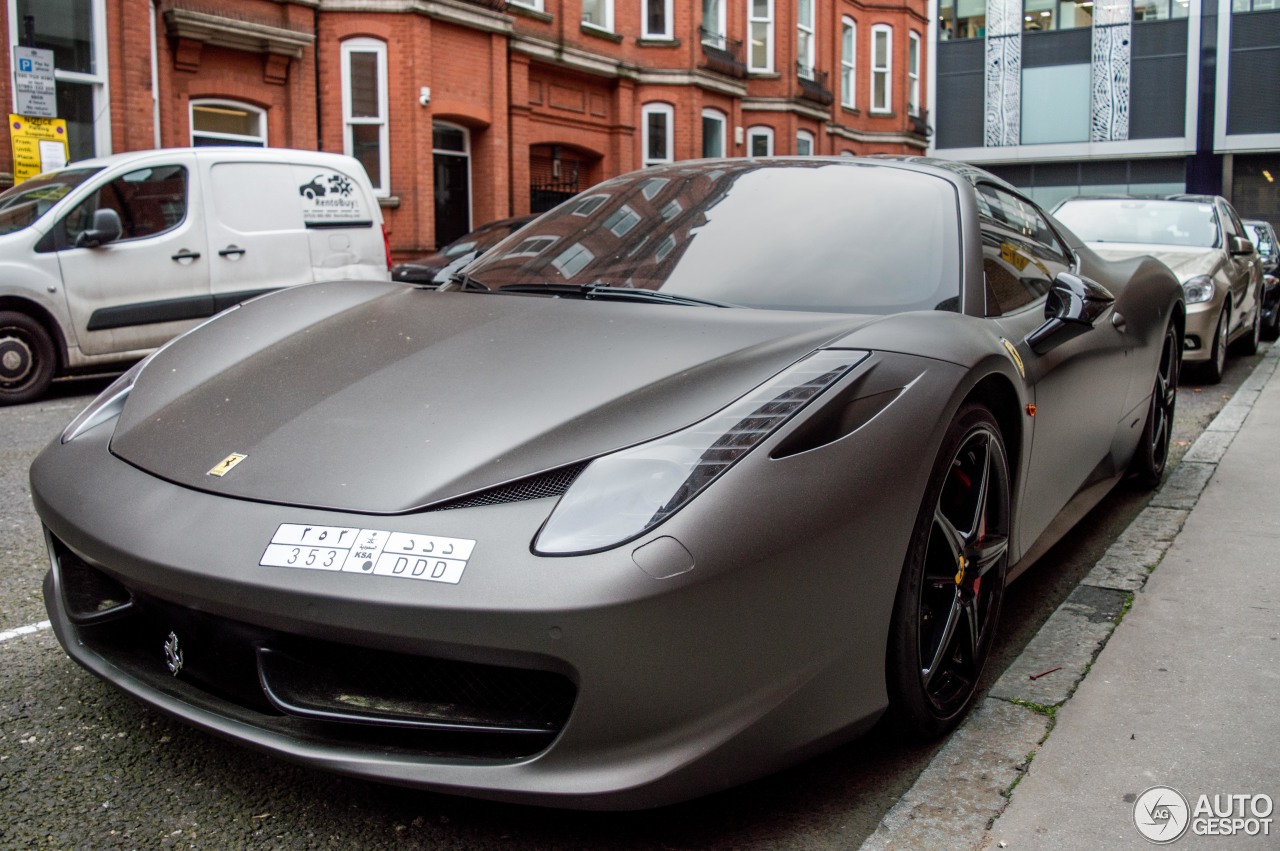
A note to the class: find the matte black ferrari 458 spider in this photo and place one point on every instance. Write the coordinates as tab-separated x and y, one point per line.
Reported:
697	474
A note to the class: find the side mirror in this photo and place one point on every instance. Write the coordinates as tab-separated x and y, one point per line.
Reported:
1074	303
106	228
1241	247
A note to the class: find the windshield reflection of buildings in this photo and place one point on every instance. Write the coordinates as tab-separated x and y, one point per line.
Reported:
629	232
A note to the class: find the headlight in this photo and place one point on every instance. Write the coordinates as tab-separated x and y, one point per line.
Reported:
1198	290
620	496
109	404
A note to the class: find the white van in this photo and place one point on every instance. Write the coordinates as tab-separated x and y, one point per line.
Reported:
105	260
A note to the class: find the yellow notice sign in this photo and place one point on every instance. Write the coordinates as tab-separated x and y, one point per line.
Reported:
39	145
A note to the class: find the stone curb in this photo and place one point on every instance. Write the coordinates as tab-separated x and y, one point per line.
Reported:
969	782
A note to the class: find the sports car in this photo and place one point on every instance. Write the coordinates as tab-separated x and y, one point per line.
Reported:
698	474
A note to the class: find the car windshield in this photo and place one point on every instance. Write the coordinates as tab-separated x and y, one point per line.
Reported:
22	205
1261	238
482	238
783	235
1141	220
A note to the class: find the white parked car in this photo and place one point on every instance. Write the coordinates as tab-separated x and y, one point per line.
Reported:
1199	237
105	260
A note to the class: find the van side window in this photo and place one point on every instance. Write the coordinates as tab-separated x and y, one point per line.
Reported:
149	201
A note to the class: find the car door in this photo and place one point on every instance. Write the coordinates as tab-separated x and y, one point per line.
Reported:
1078	387
1245	270
257	236
152	283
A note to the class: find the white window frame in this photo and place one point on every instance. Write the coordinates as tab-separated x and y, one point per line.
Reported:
667	13
716	32
99	79
536	5
763	132
382	180
607	24
848	62
805	57
716	115
882	71
767	23
232	138
669	111
914	46
803	136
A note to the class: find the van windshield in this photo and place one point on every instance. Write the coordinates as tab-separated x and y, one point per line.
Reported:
22	205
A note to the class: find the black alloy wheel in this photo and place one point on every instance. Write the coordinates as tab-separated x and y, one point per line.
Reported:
952	584
27	358
1152	454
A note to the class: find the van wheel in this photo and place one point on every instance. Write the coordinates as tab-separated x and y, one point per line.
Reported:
27	358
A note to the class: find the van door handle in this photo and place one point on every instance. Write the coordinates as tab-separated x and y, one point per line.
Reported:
231	251
186	255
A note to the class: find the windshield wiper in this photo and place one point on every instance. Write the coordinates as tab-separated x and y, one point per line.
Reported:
601	291
463	281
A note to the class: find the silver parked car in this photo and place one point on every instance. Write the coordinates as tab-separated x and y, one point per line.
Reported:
1199	237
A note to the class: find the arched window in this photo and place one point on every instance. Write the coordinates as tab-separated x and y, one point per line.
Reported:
848	63
227	122
713	133
760	142
881	65
804	143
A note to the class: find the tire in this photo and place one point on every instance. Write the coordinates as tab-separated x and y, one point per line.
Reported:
1271	329
952	584
1152	454
1211	372
27	358
1248	344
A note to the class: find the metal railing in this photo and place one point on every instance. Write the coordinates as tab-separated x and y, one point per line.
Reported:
813	84
722	54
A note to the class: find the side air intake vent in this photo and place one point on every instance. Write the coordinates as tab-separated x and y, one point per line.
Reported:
553	483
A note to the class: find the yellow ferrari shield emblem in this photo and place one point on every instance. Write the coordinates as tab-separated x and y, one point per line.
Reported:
226	464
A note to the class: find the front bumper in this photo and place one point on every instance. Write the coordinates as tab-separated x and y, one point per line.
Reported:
1201	325
772	646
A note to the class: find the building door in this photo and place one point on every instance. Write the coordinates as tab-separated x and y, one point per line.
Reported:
452	155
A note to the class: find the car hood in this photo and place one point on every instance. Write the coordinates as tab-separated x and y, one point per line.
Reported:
384	398
1186	263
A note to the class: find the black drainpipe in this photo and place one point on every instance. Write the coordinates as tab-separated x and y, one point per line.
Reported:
315	31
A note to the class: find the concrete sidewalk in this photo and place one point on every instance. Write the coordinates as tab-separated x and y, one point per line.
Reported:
1186	694
1183	693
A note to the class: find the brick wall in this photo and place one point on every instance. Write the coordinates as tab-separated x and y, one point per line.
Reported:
521	83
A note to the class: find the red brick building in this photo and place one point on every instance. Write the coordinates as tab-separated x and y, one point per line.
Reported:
465	111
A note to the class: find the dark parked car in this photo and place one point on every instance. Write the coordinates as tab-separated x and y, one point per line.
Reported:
674	487
1263	236
429	269
1203	241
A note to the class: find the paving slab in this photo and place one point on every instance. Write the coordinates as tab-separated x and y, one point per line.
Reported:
1185	693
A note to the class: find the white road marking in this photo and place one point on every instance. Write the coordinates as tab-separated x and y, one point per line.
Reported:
23	630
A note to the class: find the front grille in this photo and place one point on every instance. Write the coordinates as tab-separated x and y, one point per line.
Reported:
320	690
336	683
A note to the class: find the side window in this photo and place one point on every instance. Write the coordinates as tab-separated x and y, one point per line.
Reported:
1231	222
1021	255
149	201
